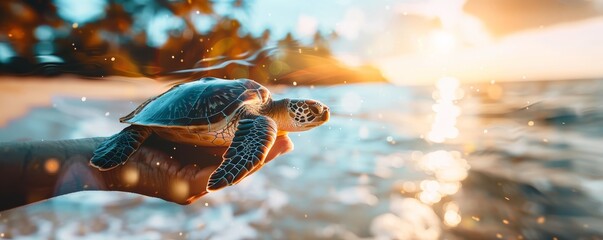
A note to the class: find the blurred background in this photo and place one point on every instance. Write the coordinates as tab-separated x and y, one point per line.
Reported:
456	119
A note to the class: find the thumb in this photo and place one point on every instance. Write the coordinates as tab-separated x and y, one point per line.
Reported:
282	145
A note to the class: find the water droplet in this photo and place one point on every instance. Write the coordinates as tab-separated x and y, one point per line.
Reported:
531	123
107	114
112	59
83	99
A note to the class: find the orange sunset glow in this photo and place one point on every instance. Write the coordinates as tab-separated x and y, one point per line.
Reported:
475	49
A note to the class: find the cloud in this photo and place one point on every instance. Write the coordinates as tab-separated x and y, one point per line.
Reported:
565	51
507	16
451	16
306	26
351	24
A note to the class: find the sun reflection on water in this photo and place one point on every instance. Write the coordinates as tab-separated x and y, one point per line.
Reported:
446	111
452	217
448	169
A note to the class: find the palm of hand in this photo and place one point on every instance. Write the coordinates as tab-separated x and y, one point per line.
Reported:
175	172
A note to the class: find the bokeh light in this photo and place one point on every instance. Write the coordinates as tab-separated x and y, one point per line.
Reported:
52	165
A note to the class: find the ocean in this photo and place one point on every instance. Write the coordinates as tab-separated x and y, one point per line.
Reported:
518	160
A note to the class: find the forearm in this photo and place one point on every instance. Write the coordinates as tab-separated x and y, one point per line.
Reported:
35	171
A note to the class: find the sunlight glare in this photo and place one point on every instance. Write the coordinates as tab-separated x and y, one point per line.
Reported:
452	218
446	111
448	168
442	41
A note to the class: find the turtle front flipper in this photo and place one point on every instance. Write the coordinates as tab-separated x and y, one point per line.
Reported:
250	145
117	149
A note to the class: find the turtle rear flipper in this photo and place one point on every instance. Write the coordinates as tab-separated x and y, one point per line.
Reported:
117	149
250	145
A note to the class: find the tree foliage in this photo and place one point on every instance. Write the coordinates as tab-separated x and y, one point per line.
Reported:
118	44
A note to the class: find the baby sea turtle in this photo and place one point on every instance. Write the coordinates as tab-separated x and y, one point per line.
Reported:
214	112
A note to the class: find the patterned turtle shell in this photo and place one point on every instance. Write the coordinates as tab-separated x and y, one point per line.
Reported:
209	101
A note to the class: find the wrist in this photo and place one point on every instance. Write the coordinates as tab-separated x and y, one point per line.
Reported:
35	171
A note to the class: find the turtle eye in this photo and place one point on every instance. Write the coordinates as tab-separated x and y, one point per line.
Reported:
316	109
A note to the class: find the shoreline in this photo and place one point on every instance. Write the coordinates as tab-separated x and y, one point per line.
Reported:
21	94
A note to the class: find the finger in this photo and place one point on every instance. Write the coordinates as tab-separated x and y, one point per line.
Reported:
282	145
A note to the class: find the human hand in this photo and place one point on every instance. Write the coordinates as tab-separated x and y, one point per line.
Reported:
175	172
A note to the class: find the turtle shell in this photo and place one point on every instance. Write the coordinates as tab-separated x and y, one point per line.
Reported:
208	101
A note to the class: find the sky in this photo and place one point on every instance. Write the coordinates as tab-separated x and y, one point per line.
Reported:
559	45
421	41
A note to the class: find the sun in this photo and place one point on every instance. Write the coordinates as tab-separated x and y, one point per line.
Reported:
442	41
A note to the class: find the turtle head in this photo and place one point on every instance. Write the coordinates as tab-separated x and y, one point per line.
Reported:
302	114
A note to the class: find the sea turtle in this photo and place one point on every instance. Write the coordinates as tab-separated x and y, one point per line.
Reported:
214	112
